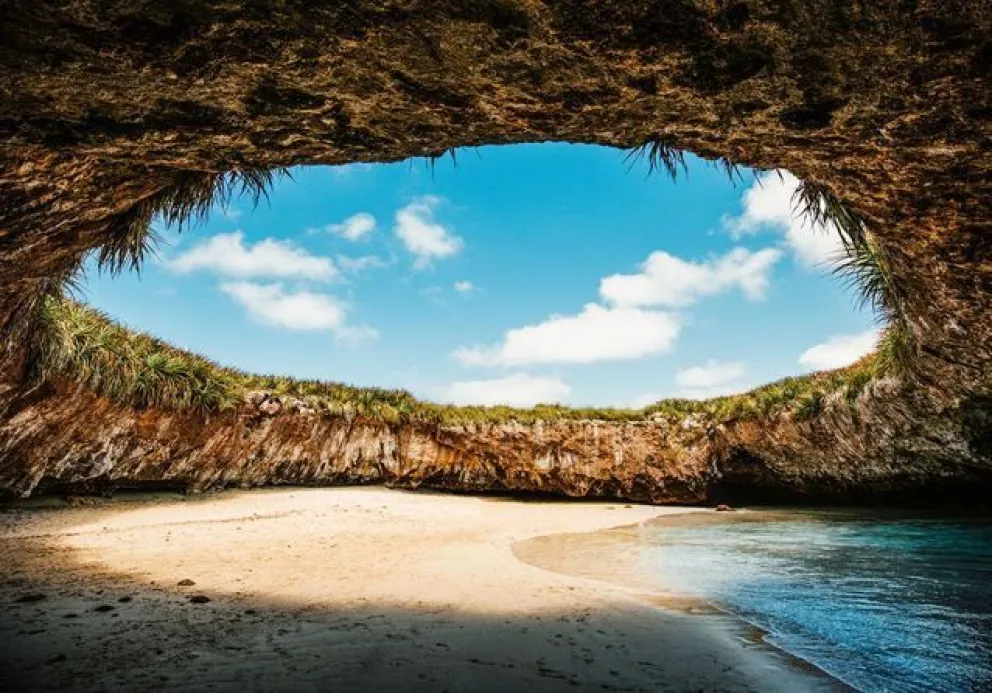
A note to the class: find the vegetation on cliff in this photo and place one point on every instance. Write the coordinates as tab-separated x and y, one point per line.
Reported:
186	200
73	341
77	342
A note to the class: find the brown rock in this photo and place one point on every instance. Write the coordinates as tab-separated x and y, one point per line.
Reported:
902	139
256	397
271	406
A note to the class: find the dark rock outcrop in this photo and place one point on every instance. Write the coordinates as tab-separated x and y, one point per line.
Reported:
886	103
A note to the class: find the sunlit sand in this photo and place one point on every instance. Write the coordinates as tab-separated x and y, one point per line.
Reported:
352	589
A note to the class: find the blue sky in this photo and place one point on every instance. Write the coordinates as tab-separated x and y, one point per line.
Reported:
525	273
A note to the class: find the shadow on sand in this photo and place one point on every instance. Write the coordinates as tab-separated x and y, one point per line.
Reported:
68	625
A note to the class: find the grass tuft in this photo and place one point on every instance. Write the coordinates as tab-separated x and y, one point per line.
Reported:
823	208
661	153
186	200
134	369
733	171
430	161
865	271
129	367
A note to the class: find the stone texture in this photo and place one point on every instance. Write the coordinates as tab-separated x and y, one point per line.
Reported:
889	103
68	438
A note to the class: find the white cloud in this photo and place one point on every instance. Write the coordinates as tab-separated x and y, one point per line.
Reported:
464	287
839	350
595	334
711	374
421	235
666	280
227	255
302	310
355	227
361	263
270	304
768	205
517	390
711	379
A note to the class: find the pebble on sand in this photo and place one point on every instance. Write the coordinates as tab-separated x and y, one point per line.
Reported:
30	598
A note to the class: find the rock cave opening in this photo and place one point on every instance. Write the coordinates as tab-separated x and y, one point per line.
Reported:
710	280
97	141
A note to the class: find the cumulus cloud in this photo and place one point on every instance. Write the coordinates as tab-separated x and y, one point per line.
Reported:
228	255
666	280
355	227
517	390
839	350
464	287
271	304
423	237
711	374
768	206
595	334
711	379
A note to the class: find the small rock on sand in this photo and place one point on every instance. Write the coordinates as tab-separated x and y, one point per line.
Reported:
199	599
30	598
186	582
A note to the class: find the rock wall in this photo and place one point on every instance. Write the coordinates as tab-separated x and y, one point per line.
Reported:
888	103
62	437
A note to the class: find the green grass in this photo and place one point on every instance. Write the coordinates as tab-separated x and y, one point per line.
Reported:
134	369
129	367
71	340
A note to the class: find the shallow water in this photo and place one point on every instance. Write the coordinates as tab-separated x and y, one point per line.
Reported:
882	601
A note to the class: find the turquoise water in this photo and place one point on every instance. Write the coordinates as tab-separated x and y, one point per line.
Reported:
884	602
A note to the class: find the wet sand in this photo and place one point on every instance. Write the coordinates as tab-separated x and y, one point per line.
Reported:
345	589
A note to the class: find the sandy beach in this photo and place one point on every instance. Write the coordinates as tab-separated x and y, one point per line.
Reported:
345	589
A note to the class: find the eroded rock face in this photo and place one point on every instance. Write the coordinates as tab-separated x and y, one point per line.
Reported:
68	439
888	103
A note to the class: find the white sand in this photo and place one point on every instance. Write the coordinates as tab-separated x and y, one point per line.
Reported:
345	589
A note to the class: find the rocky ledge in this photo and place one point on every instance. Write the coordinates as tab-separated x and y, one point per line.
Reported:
61	437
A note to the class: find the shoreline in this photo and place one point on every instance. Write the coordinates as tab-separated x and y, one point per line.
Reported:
363	587
648	592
